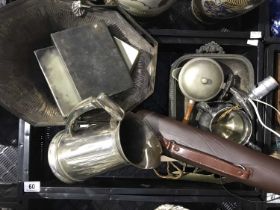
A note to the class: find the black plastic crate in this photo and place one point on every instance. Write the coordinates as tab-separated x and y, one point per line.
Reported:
270	70
171	48
139	205
8	160
177	21
266	16
129	183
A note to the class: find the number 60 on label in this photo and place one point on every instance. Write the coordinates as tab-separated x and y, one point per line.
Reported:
32	186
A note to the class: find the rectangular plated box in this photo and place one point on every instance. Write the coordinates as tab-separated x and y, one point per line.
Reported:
83	62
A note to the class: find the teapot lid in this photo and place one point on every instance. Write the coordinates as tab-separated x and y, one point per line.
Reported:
201	79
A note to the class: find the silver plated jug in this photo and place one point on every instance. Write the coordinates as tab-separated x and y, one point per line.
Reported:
112	140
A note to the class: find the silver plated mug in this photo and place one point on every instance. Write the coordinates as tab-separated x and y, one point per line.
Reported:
234	125
112	140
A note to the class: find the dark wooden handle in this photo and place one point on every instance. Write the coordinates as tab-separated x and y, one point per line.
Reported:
188	111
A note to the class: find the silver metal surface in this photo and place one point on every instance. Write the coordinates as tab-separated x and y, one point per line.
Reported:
201	79
210	48
235	125
77	8
240	98
264	88
145	8
59	79
77	158
76	154
24	91
237	64
62	87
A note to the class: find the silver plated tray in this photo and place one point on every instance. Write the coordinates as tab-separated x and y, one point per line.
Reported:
26	25
236	64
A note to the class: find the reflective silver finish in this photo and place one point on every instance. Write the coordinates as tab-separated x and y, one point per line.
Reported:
264	88
76	154
145	8
240	98
77	8
201	79
237	64
24	90
235	126
63	89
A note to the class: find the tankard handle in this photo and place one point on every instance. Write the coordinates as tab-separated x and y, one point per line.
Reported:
101	101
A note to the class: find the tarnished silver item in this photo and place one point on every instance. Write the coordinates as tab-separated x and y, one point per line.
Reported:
111	140
77	8
211	47
264	88
79	65
237	64
200	79
145	8
240	98
226	122
24	90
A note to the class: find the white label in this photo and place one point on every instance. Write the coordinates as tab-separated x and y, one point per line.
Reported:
253	42
32	186
256	35
272	198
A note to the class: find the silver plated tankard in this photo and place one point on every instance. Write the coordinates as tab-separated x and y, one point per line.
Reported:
113	139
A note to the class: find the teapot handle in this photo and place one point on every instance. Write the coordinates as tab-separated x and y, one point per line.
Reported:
175	73
101	101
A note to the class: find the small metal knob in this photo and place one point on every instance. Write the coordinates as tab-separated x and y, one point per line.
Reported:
204	80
